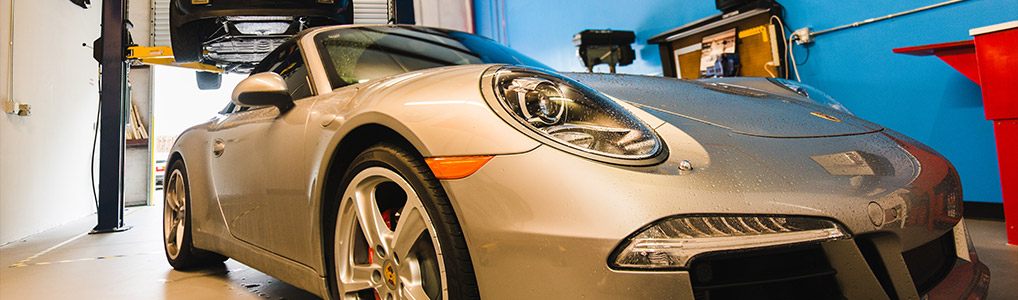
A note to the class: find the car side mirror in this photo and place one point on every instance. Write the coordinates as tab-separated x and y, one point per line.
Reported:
263	89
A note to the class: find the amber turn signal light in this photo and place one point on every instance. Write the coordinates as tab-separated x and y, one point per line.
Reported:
456	167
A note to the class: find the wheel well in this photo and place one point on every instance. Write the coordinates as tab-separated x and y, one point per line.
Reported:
174	157
353	144
348	148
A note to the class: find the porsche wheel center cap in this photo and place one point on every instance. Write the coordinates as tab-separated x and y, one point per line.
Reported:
389	274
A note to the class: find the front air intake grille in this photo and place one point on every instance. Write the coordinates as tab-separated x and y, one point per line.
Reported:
799	272
930	263
872	255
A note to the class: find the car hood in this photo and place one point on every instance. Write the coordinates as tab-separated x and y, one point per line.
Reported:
739	109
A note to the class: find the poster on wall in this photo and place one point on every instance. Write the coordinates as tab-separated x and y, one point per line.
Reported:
714	45
680	52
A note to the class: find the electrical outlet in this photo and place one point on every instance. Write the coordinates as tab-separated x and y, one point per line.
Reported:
803	35
16	108
24	109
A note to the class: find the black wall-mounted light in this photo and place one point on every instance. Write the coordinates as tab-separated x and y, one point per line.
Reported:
83	3
611	47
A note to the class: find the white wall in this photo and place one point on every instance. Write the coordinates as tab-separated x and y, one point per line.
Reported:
44	158
140	14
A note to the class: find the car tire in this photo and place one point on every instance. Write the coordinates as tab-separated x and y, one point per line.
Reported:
180	252
185	40
396	232
208	80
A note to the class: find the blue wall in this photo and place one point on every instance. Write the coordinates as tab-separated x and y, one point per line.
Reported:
544	29
919	96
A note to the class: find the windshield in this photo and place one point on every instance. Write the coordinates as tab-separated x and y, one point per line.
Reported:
358	54
811	93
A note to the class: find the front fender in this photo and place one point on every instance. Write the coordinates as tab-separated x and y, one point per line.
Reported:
440	112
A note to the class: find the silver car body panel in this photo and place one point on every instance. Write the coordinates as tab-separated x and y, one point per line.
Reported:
438	122
535	214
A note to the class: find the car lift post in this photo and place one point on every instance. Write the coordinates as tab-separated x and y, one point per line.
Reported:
112	98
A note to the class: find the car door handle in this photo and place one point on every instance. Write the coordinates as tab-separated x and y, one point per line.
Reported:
218	147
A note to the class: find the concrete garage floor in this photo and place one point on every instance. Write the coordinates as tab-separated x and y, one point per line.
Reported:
65	263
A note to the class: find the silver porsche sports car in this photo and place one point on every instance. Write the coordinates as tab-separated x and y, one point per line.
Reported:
400	162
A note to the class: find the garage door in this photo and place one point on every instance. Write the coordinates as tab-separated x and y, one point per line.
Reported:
161	23
370	11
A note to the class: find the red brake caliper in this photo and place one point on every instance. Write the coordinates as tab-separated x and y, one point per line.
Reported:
391	216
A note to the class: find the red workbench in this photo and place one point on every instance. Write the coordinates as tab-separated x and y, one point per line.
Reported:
991	60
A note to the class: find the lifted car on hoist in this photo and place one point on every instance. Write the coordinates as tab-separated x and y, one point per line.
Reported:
235	35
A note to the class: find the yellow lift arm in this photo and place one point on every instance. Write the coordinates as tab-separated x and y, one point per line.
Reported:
163	56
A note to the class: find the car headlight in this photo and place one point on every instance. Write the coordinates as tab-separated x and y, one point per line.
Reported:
670	243
569	116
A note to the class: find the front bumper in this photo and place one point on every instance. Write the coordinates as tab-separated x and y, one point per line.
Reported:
542	225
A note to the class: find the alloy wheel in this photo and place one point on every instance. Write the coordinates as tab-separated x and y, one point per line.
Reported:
174	214
385	246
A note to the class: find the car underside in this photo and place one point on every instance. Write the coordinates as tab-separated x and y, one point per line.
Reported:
235	35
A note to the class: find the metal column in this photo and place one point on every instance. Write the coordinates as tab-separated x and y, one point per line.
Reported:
112	102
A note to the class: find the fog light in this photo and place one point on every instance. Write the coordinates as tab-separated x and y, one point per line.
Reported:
672	242
197	2
326	1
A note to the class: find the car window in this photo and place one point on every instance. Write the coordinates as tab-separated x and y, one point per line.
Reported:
358	54
288	62
228	109
290	65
